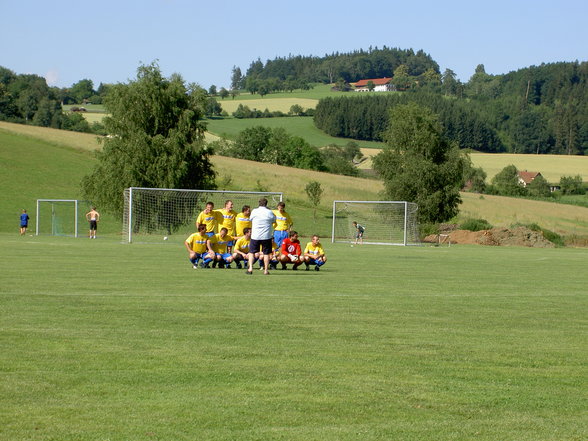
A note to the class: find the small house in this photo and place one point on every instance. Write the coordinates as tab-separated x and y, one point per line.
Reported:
526	177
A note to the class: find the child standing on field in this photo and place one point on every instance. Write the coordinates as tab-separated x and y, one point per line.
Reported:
24	222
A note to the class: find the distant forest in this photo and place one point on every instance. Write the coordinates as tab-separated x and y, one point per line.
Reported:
538	109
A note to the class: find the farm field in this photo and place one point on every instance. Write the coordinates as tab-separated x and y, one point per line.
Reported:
552	167
272	104
109	341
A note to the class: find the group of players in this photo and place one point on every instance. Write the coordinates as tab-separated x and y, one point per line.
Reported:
223	237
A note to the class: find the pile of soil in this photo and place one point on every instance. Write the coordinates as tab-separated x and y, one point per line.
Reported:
519	236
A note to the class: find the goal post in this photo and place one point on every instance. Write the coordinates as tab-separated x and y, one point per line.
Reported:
60	217
384	222
152	213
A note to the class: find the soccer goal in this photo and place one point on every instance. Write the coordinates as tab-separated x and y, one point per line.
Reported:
383	222
60	217
153	213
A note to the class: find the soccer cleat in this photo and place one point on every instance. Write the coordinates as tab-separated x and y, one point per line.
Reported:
228	266
307	267
316	268
249	272
214	264
294	268
239	266
195	266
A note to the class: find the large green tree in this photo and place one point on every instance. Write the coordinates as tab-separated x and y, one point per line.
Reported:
420	165
156	139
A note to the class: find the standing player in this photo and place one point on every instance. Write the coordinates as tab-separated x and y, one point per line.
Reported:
24	222
359	229
291	251
242	221
222	245
208	218
93	217
314	254
226	218
262	219
199	248
283	224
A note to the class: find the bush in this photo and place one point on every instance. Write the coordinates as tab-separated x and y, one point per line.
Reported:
427	229
475	225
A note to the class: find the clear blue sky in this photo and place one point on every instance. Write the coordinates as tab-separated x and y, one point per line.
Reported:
105	41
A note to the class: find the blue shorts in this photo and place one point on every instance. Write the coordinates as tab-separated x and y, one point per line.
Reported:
279	236
224	256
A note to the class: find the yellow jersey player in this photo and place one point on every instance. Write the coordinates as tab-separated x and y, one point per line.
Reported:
314	254
241	248
243	221
283	223
199	248
209	218
222	244
226	218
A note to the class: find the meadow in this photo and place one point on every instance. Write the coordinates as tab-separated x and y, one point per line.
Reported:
127	342
302	126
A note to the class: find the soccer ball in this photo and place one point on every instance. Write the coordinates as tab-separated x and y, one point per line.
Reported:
165	238
294	258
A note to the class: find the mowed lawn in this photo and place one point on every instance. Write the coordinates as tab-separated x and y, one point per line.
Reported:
127	342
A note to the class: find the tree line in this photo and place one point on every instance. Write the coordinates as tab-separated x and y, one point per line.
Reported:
27	99
277	146
366	117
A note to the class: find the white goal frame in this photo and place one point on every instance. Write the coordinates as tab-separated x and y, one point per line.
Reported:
76	203
200	196
403	231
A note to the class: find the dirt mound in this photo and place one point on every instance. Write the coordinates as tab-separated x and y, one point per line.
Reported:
519	236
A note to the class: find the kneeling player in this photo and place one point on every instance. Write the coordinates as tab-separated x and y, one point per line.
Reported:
241	250
222	244
291	251
199	248
314	254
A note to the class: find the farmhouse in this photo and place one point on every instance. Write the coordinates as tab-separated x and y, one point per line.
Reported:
526	177
380	85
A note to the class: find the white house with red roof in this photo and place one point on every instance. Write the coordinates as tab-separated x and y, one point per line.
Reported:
380	85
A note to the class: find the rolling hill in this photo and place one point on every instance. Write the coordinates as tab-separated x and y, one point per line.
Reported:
42	163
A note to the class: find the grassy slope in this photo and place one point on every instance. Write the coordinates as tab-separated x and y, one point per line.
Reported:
299	126
32	168
108	341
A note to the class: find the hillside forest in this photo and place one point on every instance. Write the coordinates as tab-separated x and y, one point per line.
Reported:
537	109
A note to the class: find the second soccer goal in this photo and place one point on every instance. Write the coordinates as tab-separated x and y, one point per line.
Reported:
375	222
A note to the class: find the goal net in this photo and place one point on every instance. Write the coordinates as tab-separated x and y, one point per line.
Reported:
61	217
384	222
153	213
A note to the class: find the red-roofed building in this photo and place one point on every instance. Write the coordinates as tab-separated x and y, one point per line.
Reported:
380	85
526	177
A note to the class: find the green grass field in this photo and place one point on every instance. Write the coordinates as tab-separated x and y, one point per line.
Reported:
302	126
127	342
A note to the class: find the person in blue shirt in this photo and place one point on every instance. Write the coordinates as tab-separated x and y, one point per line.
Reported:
24	222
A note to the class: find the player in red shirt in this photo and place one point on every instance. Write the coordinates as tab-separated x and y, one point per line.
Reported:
291	251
